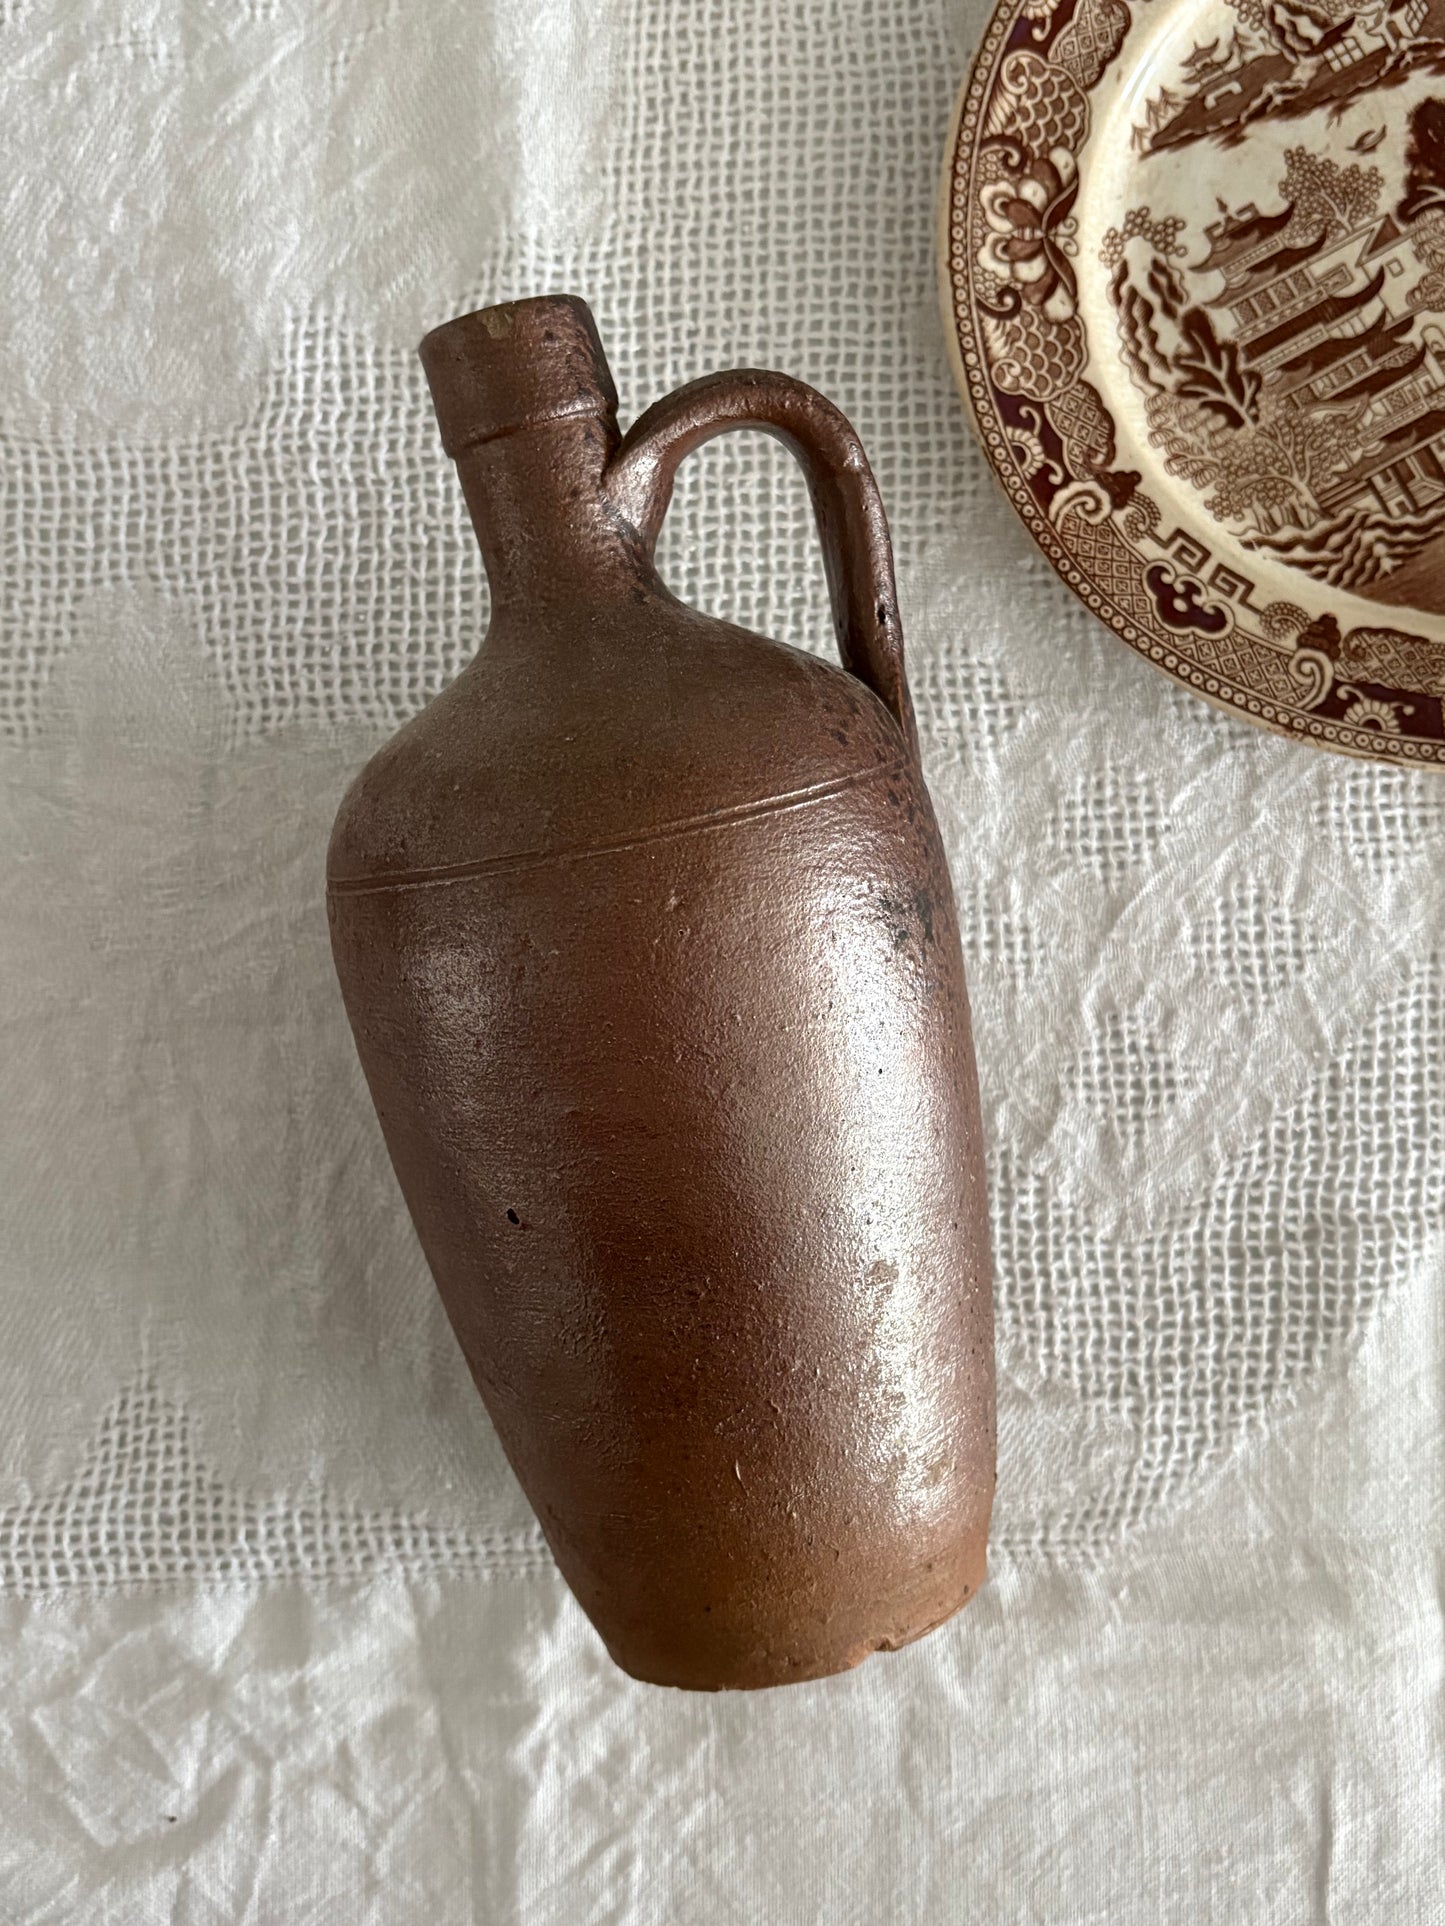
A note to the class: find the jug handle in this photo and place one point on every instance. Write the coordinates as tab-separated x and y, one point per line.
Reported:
857	552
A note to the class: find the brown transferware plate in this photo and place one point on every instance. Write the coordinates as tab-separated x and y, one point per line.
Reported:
1194	271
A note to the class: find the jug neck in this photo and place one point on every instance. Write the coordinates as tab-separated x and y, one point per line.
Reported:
545	527
528	412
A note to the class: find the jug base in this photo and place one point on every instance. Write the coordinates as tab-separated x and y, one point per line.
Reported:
770	1669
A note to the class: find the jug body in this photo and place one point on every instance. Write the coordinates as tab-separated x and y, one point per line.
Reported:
648	944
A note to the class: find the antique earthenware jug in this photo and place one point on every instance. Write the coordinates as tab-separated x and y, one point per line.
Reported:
648	946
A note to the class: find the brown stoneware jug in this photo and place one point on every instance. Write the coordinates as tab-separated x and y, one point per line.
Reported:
647	941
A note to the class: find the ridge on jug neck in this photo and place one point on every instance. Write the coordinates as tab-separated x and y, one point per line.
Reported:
528	411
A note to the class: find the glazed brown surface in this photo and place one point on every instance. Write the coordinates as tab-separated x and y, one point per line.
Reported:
648	945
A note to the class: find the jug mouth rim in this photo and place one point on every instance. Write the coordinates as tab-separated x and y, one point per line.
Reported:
499	319
514	364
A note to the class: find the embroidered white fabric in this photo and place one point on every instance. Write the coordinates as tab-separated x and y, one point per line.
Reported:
282	1640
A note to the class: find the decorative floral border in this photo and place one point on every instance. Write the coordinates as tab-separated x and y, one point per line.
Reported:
1020	356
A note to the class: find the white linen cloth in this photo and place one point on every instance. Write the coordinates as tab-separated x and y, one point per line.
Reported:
281	1638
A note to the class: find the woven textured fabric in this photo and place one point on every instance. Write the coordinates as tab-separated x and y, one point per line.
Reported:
1205	968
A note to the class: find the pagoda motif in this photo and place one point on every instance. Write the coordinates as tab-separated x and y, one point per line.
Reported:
1403	475
1331	322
